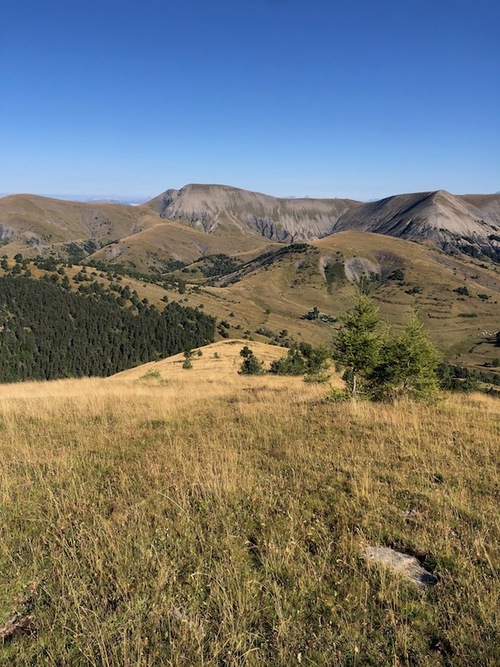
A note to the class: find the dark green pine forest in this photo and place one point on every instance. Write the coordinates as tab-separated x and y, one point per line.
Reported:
48	332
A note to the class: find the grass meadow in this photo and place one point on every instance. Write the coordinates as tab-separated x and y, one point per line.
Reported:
201	518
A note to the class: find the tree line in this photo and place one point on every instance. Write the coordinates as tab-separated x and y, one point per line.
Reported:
48	332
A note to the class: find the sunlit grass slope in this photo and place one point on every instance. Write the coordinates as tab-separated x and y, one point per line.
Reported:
217	362
198	517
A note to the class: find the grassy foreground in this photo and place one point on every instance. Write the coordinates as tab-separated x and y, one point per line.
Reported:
212	519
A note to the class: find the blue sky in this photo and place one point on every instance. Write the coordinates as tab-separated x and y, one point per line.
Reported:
320	98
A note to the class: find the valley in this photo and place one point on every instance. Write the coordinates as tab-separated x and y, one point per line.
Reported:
229	248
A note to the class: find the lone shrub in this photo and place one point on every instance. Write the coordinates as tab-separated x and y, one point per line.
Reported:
303	358
250	365
188	355
407	366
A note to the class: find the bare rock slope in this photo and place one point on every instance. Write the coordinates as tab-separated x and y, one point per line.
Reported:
209	206
467	223
236	221
442	218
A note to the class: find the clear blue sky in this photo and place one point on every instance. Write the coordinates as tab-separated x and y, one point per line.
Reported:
319	98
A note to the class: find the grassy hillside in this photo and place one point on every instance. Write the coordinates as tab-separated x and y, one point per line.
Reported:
272	291
131	235
197	220
36	223
199	517
276	294
220	361
152	248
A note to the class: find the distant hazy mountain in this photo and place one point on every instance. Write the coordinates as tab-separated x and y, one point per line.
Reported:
127	201
100	199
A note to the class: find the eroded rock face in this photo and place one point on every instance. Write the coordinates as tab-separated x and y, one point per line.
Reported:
469	224
407	566
6	233
206	207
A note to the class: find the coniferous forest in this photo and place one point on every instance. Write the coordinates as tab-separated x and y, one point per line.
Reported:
48	332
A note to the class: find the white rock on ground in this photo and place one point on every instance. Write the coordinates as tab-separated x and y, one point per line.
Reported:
406	565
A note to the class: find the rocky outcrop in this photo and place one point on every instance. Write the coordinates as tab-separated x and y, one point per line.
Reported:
208	207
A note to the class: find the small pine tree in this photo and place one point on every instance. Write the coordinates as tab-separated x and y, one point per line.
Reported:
302	358
407	365
245	352
250	365
188	355
357	343
293	364
381	366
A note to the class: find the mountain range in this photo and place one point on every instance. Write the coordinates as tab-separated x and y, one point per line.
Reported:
263	264
200	220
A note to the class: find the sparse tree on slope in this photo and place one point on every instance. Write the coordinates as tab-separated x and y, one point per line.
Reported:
382	366
250	365
407	365
357	343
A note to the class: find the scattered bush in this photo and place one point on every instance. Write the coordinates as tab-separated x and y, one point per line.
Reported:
220	265
302	358
398	274
151	375
338	395
312	314
250	365
458	378
321	377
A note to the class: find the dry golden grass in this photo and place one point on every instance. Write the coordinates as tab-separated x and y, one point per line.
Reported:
220	360
207	518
